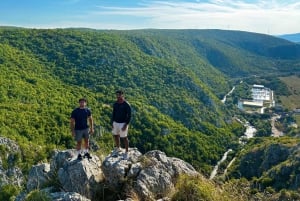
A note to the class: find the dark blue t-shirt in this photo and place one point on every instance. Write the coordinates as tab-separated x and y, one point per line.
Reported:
81	116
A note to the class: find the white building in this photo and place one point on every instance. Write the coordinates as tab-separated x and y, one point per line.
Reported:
260	97
260	93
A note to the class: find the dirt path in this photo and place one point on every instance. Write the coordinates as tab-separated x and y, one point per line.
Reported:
275	131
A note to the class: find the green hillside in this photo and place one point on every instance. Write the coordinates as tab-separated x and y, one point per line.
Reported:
38	96
174	80
235	53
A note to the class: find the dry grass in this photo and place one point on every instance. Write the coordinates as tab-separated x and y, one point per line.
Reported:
201	189
293	101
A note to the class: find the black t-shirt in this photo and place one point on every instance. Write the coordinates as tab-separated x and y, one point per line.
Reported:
81	115
121	112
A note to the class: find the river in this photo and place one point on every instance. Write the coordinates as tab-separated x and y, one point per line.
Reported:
215	170
249	133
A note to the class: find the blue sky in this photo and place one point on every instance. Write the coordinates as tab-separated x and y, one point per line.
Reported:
261	16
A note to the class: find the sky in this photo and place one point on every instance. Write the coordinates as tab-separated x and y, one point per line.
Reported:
274	17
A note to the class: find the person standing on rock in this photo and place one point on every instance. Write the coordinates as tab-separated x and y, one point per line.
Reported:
120	120
82	126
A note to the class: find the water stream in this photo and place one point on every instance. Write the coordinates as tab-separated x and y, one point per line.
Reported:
249	133
215	170
224	99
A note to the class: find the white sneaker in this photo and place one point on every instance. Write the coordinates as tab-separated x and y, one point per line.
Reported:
125	156
117	149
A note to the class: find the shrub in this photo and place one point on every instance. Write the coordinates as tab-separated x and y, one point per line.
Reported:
7	192
37	195
197	188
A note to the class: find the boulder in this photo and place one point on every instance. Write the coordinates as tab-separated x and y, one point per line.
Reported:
158	176
152	176
38	176
81	176
115	168
68	196
9	173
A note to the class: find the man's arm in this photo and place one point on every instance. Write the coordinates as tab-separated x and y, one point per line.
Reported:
72	126
91	122
128	118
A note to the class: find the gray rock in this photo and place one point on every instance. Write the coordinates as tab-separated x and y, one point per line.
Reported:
157	179
38	176
60	158
81	176
115	168
10	174
149	177
153	175
68	196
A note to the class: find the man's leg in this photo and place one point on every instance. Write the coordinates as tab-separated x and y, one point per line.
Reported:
86	143
126	143
87	147
86	136
117	141
78	148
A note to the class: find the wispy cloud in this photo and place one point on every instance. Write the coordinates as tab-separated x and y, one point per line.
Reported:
263	16
258	16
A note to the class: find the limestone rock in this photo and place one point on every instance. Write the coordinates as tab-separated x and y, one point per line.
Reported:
68	196
153	174
81	176
38	176
115	168
9	173
158	176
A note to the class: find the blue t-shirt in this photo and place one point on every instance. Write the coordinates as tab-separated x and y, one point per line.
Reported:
81	115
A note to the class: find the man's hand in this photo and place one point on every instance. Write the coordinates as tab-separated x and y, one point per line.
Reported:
124	127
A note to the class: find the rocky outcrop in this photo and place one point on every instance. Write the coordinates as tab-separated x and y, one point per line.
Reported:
151	176
274	165
68	196
68	174
256	162
9	173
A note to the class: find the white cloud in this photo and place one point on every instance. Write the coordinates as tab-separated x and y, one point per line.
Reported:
261	16
272	17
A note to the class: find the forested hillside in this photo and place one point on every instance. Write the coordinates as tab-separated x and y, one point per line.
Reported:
44	72
174	80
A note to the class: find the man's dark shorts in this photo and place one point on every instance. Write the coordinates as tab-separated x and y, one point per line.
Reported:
82	134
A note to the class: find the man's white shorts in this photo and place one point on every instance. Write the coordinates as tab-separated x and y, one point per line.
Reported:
117	129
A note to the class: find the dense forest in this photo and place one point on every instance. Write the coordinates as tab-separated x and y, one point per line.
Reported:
173	79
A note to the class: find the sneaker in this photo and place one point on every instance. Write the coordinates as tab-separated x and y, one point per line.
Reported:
79	157
87	155
125	156
117	149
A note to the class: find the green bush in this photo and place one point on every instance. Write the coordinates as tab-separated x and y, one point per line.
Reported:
196	189
7	192
37	195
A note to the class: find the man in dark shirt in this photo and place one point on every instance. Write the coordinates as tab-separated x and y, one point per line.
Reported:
120	120
80	117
